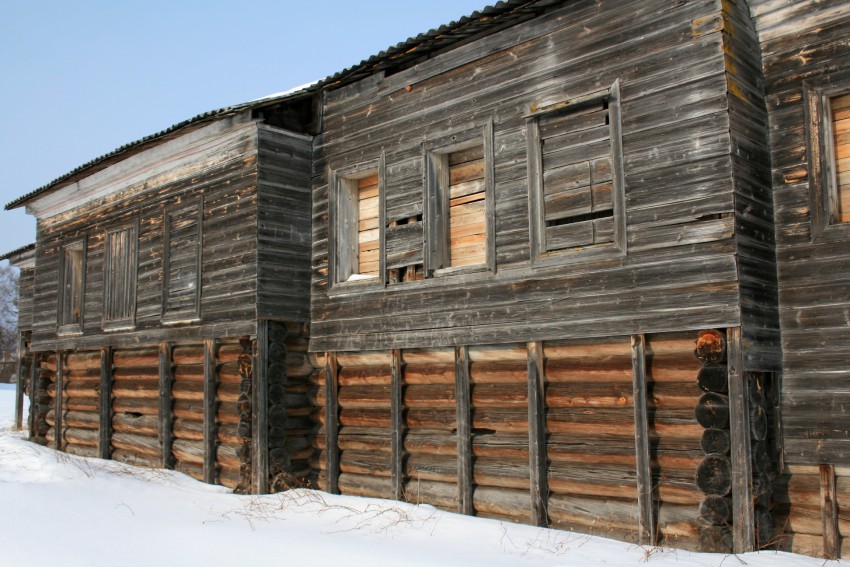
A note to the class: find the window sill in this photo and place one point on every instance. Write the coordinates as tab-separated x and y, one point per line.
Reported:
170	322
72	331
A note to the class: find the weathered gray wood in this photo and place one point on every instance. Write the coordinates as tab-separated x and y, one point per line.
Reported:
19	383
33	396
260	412
643	459
210	428
105	402
397	418
743	523
829	513
537	458
60	387
332	422
464	431
166	415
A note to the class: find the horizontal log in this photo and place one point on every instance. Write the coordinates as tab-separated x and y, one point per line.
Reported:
364	358
83	419
146	424
79	436
139	444
188	409
188	429
592	371
229	477
504	502
229	373
589	349
427	356
89	405
227	455
227	353
139	358
363	485
430	374
143	389
189	373
364	376
136	405
83	360
228	433
190	468
589	394
82	450
182	355
438	494
227	393
188	451
136	373
183	390
135	459
585	512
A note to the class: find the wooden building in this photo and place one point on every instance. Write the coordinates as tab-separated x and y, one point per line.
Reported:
562	261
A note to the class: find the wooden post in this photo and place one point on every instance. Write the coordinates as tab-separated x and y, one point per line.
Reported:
829	513
260	412
332	422
60	387
643	460
743	515
537	436
397	418
34	362
104	438
209	411
19	384
464	431
166	423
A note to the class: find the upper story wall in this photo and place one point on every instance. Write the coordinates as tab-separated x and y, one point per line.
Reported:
660	256
806	63
175	229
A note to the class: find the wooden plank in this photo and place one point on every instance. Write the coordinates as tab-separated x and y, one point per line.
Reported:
743	515
210	428
829	513
332	422
19	384
33	393
537	457
165	429
260	412
464	431
60	387
643	459
397	418
105	425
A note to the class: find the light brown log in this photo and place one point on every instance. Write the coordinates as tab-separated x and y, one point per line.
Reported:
141	425
365	376
183	390
440	494
188	429
189	373
191	355
189	409
710	347
83	360
504	502
189	452
135	459
79	436
140	444
364	485
499	353
589	394
364	358
228	353
135	405
135	373
429	356
228	393
429	374
139	358
192	469
145	389
81	450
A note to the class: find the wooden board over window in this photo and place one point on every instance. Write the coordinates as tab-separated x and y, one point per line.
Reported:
840	107
119	286
368	233
575	146
467	202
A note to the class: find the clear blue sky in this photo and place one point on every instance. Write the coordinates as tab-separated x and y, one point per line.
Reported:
81	78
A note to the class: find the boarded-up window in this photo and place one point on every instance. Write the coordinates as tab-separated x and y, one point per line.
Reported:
71	286
575	176
119	279
181	292
840	158
356	216
459	203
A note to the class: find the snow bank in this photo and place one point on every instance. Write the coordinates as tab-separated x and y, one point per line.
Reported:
66	511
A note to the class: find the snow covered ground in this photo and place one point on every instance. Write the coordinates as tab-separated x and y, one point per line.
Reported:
60	510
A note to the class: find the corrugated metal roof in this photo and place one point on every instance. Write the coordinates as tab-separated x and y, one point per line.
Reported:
403	54
18	251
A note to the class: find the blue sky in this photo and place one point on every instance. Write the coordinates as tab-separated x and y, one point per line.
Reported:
81	78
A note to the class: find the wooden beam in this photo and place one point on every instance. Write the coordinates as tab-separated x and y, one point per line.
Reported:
829	513
643	460
209	412
57	400
464	431
166	417
743	514
104	439
260	412
332	422
397	419
33	395
19	384
537	455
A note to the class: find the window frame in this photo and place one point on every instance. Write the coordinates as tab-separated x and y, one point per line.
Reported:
435	154
820	155
540	255
133	265
64	327
343	249
182	316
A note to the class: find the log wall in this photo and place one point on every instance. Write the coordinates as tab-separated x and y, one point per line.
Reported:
81	407
187	392
135	406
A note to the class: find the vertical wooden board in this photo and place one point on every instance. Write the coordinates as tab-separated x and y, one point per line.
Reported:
645	498
105	438
58	399
331	424
397	410
464	431
209	411
829	513
166	415
537	435
19	384
743	517
259	408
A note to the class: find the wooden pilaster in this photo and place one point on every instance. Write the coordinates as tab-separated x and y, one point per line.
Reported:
829	513
209	412
332	422
643	460
19	384
397	419
104	439
537	456
33	395
166	414
58	406
260	412
743	514
464	431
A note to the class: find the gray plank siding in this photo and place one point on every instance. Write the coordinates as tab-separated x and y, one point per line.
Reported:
678	272
813	273
226	183
283	225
